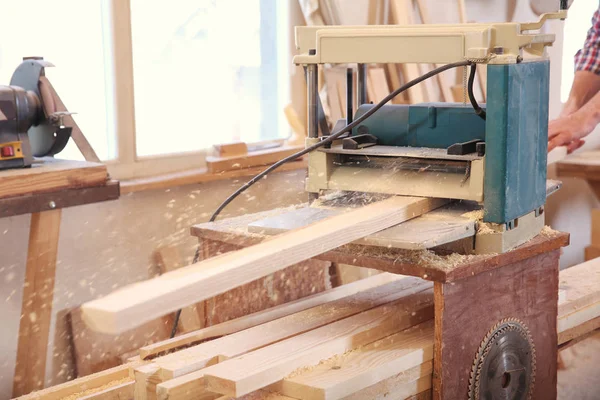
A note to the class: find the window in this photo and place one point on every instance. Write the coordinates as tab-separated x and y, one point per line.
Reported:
206	74
154	83
576	27
80	60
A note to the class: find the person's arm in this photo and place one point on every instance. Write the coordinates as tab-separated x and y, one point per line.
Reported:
585	85
580	116
571	129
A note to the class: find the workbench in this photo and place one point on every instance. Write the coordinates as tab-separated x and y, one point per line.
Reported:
43	191
586	166
471	292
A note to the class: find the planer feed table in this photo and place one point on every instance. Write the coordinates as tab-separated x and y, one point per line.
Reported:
473	293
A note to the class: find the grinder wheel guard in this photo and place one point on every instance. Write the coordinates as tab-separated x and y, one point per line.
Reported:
504	367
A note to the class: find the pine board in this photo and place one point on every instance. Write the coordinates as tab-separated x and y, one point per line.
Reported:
51	175
144	301
183	364
261	317
363	367
263	367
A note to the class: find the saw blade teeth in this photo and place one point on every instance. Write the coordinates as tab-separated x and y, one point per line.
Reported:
498	330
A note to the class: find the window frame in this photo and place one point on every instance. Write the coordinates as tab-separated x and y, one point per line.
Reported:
127	165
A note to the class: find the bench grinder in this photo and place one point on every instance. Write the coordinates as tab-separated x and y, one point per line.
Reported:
30	125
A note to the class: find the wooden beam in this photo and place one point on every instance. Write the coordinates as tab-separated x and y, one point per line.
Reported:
81	385
252	159
581	284
402	14
182	364
147	300
36	309
169	259
231	149
362	368
51	175
261	317
263	367
46	201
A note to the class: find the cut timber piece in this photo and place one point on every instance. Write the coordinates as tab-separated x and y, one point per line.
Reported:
102	380
496	238
51	175
377	84
364	367
261	317
169	259
578	331
444	225
253	159
231	149
591	252
412	384
194	359
582	286
298	129
263	367
138	303
36	308
122	391
402	14
596	227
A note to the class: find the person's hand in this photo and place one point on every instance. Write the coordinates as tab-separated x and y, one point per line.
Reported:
569	131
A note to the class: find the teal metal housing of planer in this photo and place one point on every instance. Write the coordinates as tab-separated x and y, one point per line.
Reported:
494	154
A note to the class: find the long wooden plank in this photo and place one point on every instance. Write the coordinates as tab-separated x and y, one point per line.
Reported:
36	308
51	175
582	286
261	317
362	368
198	357
121	391
169	259
252	159
402	14
80	385
263	367
144	301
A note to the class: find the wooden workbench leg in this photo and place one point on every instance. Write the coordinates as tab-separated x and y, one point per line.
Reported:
466	310
36	311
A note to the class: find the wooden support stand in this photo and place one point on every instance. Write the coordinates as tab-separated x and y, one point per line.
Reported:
43	190
471	296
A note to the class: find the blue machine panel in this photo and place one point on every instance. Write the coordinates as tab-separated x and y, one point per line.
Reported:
437	125
516	140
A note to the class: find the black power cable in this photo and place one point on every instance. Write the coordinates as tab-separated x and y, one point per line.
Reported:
478	110
330	139
337	134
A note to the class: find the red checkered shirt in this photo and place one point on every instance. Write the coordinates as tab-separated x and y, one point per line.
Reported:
588	58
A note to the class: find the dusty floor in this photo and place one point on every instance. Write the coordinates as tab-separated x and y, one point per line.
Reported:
580	380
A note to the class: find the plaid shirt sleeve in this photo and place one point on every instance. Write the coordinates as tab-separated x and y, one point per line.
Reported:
588	58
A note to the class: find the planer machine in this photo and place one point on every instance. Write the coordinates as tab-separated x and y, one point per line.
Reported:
494	155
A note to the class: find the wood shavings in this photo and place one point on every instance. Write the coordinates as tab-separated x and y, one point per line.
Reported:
548	231
476	215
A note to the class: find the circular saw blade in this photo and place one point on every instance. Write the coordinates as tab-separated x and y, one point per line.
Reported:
504	367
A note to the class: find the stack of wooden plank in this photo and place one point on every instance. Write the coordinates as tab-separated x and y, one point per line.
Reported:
370	339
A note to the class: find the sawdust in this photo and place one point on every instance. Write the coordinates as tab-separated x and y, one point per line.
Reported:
343	199
484	229
548	231
476	215
88	392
